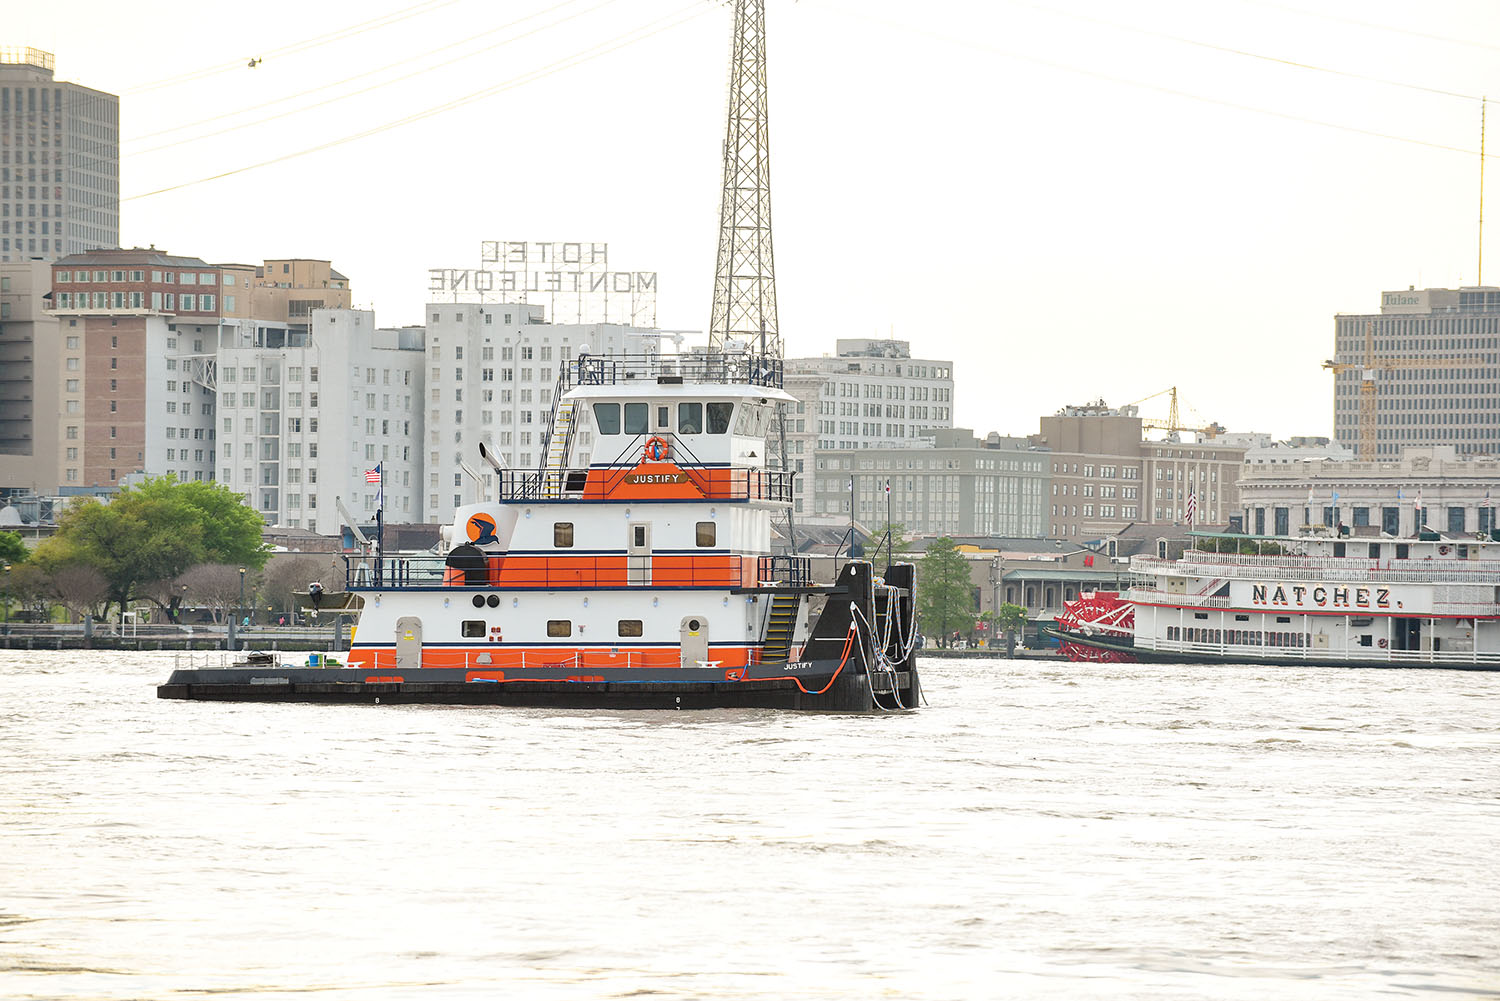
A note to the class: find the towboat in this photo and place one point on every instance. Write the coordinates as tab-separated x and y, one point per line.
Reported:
632	570
1324	599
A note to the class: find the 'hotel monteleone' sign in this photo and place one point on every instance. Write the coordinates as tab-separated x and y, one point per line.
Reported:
573	280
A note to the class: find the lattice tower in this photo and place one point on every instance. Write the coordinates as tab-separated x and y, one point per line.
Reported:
745	279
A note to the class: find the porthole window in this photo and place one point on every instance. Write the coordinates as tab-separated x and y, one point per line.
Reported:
493	601
559	627
631	627
694	625
478	601
473	628
707	533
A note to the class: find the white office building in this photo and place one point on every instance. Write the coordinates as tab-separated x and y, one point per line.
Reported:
870	394
491	376
303	416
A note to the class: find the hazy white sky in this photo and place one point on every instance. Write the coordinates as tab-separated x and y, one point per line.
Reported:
1071	199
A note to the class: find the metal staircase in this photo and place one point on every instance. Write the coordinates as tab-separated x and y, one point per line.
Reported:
559	435
781	622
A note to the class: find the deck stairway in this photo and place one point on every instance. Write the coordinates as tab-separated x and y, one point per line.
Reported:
783	620
558	442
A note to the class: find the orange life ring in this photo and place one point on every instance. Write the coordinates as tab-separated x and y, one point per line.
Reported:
657	449
1444	550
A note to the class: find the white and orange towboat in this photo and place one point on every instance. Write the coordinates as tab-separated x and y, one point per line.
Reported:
638	574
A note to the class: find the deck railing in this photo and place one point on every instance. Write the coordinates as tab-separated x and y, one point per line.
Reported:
1352	654
1317	568
426	572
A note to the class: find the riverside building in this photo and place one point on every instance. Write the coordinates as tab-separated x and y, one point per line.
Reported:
1106	477
870	393
59	161
1432	487
491	376
958	485
1453	401
305	412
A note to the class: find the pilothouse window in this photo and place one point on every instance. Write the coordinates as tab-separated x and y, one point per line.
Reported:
607	417
752	421
719	416
689	418
635	418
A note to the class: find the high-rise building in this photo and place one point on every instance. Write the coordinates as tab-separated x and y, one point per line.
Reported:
1106	477
30	382
870	394
1453	400
492	371
305	414
59	162
960	485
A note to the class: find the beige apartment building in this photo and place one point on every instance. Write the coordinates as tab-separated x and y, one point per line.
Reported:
31	444
289	289
1107	477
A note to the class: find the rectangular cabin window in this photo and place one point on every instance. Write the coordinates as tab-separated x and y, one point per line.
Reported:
562	534
473	628
631	627
689	418
719	417
607	417
639	533
707	533
559	627
663	417
635	417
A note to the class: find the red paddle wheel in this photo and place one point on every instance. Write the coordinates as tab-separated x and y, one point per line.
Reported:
1101	614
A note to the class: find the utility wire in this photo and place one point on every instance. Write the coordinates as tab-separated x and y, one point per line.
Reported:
909	29
642	33
1372	25
393	17
375	86
1246	53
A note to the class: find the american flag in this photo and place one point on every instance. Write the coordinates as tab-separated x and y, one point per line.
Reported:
1192	505
372	475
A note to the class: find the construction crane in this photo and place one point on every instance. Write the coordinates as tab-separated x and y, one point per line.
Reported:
1173	424
1368	368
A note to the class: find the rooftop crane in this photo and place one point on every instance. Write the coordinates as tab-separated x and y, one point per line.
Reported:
1173	424
1367	370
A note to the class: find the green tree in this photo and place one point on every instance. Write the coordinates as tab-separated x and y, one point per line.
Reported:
1011	620
154	532
897	541
945	594
12	548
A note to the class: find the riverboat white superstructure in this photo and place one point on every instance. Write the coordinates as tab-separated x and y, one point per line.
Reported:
640	574
1325	598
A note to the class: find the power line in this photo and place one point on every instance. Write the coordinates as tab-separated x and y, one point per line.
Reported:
1188	95
384	83
693	11
1376	27
1246	53
394	17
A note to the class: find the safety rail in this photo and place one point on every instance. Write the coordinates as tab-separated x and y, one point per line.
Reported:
499	662
715	368
1156	596
719	483
1422	571
1359	655
785	571
543	572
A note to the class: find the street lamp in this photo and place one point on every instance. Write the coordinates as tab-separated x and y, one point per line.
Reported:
6	585
241	609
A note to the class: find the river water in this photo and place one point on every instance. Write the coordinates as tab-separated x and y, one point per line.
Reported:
1040	830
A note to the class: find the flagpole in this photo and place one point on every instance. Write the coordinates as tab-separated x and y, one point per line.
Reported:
379	521
890	546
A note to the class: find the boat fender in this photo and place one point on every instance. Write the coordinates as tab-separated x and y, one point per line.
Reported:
657	449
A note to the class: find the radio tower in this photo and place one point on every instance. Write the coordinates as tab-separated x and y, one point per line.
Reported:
745	279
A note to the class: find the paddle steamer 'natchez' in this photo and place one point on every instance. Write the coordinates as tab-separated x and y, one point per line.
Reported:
640	577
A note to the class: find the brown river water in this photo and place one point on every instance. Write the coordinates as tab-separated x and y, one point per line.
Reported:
1039	830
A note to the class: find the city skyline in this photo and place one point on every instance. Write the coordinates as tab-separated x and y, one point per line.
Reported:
1081	200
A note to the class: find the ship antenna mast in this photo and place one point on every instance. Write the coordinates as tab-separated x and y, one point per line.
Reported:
745	278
